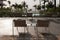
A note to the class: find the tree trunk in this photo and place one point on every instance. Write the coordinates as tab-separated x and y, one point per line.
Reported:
55	3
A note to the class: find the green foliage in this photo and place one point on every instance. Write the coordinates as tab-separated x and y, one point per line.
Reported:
9	2
20	6
39	7
6	12
24	4
50	5
43	6
35	6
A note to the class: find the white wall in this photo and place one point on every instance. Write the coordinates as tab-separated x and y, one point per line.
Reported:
54	28
7	24
6	27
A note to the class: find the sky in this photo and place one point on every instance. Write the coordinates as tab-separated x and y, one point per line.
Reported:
30	3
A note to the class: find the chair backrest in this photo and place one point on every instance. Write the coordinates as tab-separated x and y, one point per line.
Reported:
42	23
20	23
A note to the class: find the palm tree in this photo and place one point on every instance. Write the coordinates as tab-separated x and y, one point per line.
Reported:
9	3
39	8
15	6
35	7
30	10
44	4
49	5
55	3
24	4
2	4
20	6
26	8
